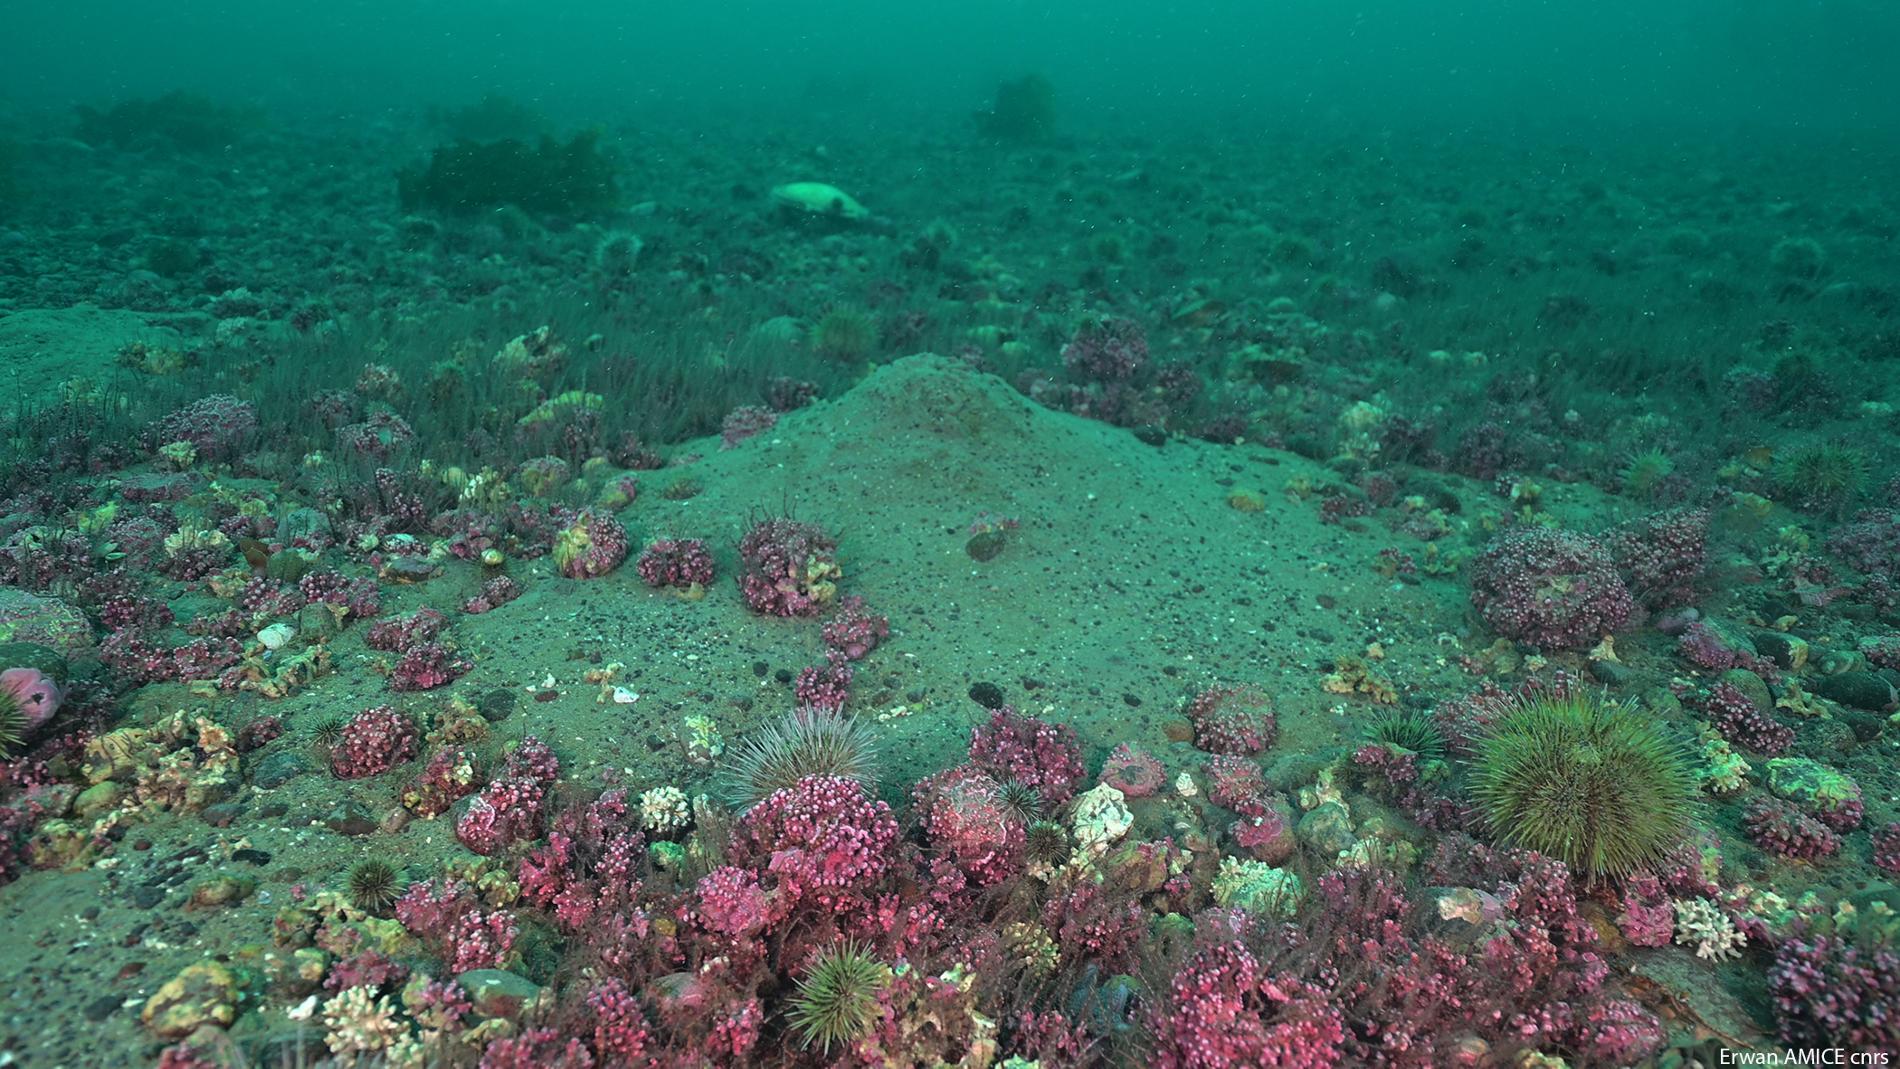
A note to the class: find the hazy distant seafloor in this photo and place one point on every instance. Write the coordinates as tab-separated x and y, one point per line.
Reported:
1100	425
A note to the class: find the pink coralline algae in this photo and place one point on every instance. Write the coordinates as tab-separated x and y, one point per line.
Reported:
1662	556
820	842
1833	992
1782	828
1648	919
1557	590
1269	836
1886	855
1232	720
37	559
373	742
426	667
1519	967
787	568
1236	783
141	659
622	1035
495	593
1705	647
215	426
537	1048
1871	543
1224	1010
745	422
730	902
356	597
965	820
450	920
366	968
590	546
510	809
590	867
1133	772
1733	714
1106	350
124	612
853	633
1094	921
825	687
1033	752
403	632
681	563
449	776
35	696
380	437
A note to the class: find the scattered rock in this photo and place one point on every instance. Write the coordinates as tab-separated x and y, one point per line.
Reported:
280	768
818	199
1327	829
1610	673
1752	687
97	799
220	891
497	992
1788	652
496	705
985	545
46	622
988	695
1861	690
205	993
350	818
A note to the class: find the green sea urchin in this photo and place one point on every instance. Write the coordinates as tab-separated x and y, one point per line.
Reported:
1585	781
837	1000
1823	477
12	724
845	334
1645	471
803	743
1407	729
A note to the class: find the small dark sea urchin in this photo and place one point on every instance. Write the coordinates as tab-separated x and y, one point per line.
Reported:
1020	800
373	886
327	732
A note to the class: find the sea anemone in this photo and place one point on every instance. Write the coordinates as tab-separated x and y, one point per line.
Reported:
801	744
1588	782
837	1000
373	885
